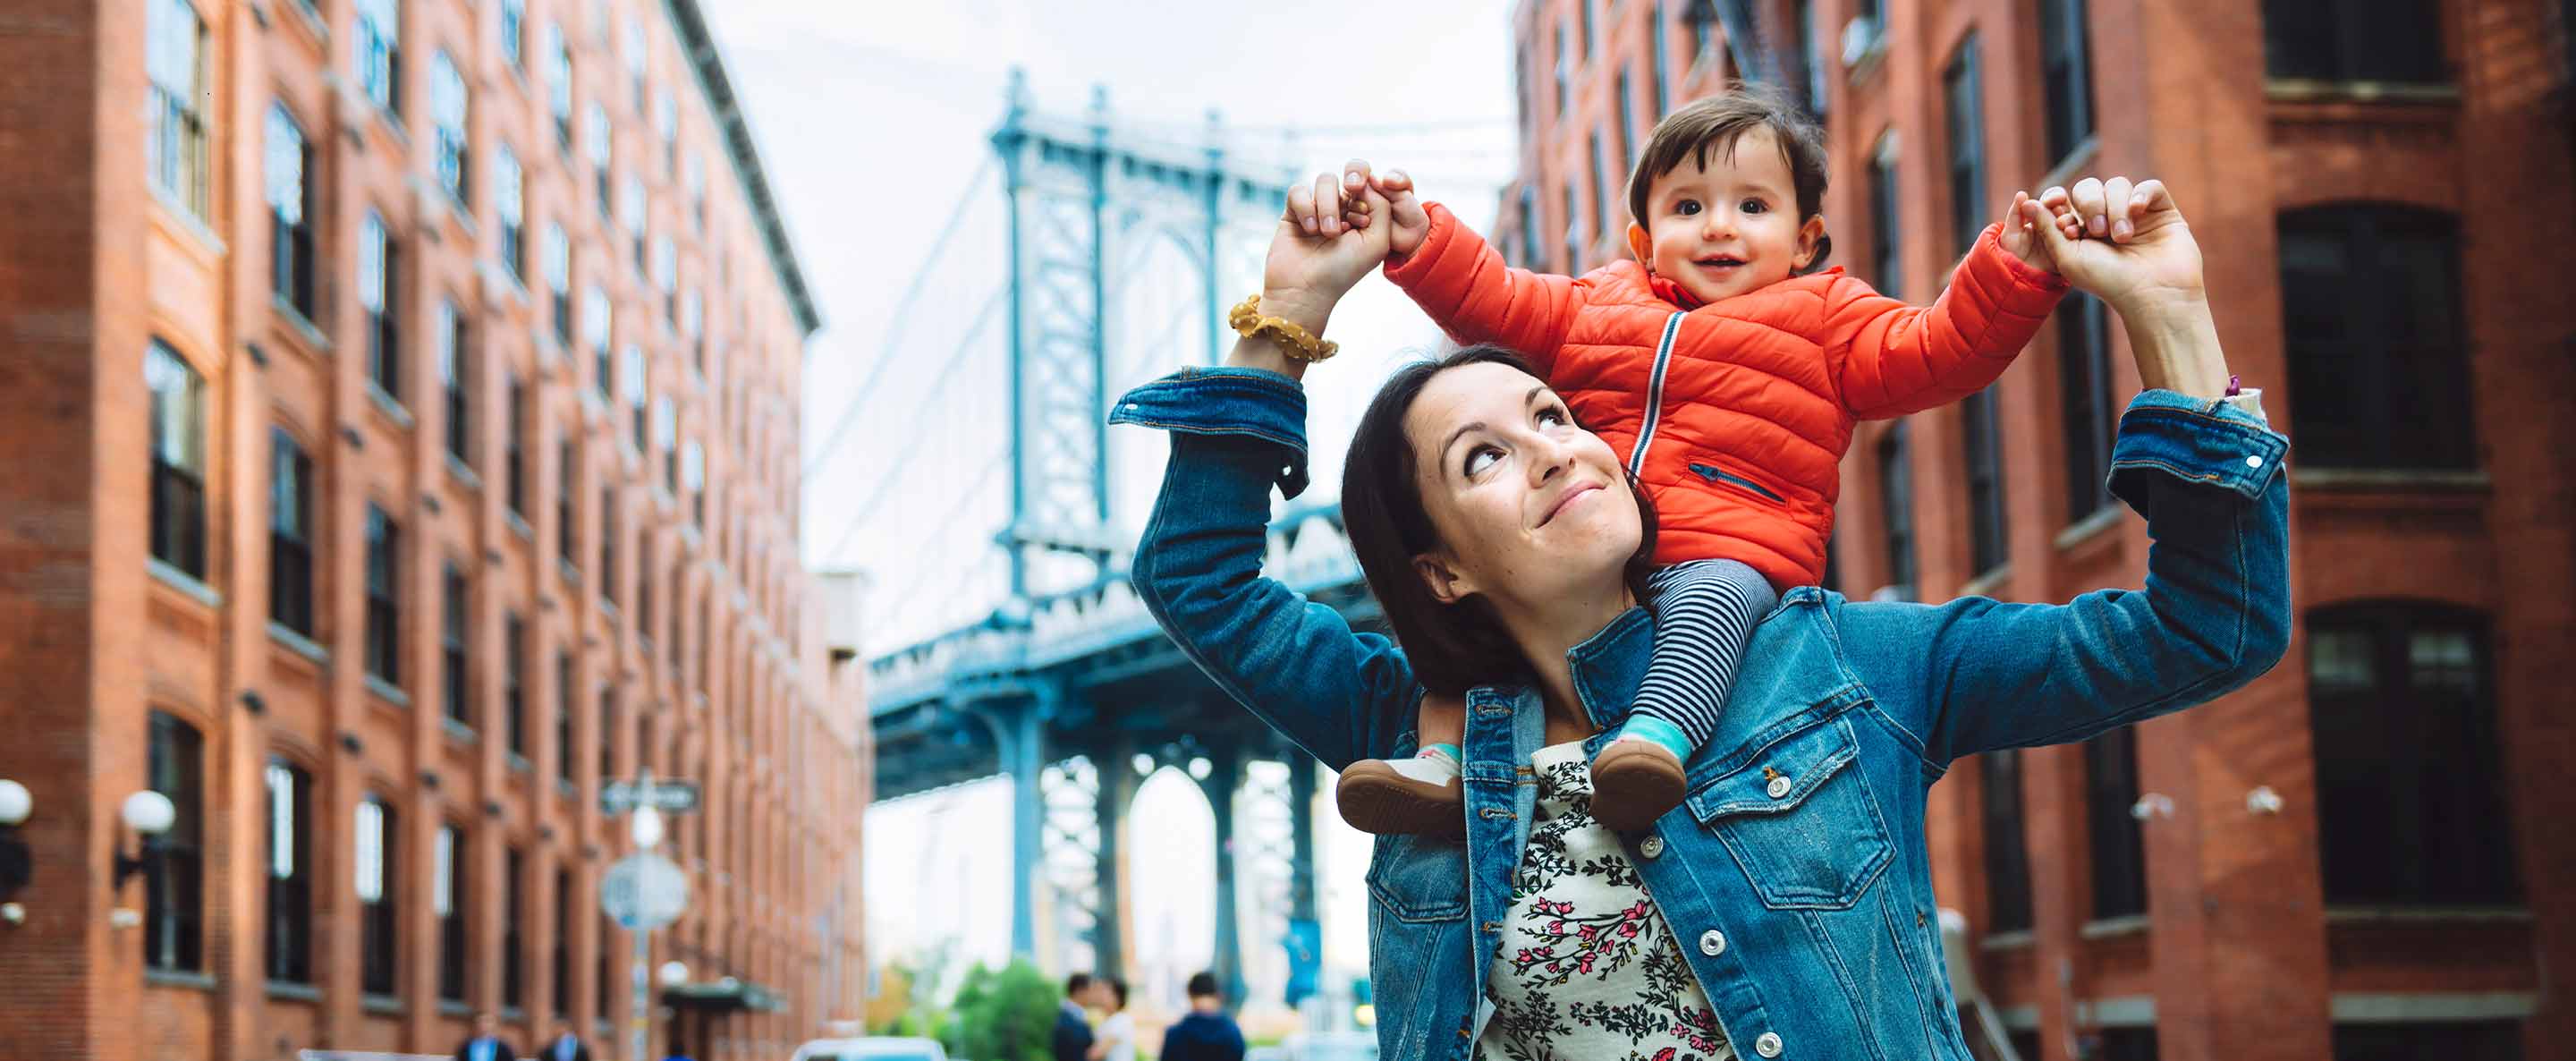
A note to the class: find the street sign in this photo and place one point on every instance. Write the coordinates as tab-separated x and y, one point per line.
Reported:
643	892
618	797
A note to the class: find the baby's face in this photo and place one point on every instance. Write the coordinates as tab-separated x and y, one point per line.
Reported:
1731	226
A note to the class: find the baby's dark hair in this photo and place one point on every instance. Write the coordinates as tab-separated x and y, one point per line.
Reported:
1704	127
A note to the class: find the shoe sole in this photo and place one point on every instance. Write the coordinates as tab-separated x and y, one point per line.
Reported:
1630	792
1383	803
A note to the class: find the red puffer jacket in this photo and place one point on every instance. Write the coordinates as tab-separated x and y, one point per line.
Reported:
1747	407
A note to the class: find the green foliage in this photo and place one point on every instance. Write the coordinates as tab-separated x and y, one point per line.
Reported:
1004	1015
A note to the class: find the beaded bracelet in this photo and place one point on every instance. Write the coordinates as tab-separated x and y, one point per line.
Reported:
1296	342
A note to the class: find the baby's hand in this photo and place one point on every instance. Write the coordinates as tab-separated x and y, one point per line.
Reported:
1412	223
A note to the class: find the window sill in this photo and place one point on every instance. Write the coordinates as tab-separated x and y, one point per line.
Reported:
2311	90
299	644
571	575
301	326
2021	939
2090	527
187	221
448	1007
517	763
384	1005
515	1015
463	473
1984	585
2428	915
566	790
179	979
185	583
518	525
389	405
287	991
2111	927
2077	157
2389	480
458	731
388	692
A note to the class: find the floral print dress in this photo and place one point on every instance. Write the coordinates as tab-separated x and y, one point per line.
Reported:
1588	971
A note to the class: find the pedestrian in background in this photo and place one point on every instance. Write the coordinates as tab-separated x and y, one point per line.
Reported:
565	1046
1072	1038
1205	1033
486	1044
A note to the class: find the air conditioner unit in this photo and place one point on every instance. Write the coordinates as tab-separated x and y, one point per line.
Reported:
1860	38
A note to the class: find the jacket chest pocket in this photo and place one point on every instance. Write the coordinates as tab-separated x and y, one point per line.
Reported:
1416	879
1800	820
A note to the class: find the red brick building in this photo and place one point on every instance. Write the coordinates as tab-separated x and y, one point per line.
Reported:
2385	199
402	433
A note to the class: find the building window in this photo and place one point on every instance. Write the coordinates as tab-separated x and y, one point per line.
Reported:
562	963
456	688
559	85
638	388
1629	141
601	152
644	586
509	201
1533	247
1564	67
693	478
290	211
607	733
2128	1043
178	524
666	277
2322	40
174	890
608	571
1803	24
384	597
453	374
666	428
693	326
569	470
630	215
597	330
1885	238
514	682
666	121
2411	796
2453	1041
2084	380
1662	66
379	52
176	61
290	533
635	61
514	915
1896	505
1982	433
2066	75
696	178
290	873
2377	342
514	31
1573	229
380	293
1962	90
447	108
563	716
2119	844
514	457
559	283
377	840
2007	854
600	971
448	886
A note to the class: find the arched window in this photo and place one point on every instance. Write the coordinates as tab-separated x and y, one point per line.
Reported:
2410	795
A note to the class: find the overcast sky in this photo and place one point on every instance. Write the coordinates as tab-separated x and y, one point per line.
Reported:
872	119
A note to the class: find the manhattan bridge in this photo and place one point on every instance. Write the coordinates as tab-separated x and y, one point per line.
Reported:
1119	246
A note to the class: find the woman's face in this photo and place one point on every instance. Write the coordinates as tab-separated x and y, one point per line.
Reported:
1528	506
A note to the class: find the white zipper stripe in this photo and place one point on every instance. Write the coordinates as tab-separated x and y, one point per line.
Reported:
1655	395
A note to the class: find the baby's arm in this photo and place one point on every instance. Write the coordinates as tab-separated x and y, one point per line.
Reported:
1463	283
1891	359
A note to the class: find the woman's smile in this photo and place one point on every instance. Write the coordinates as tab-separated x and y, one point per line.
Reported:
1572	494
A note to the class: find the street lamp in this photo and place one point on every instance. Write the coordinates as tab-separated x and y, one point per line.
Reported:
646	827
16	866
149	814
674	973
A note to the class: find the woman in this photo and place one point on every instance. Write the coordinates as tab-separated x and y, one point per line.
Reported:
1785	909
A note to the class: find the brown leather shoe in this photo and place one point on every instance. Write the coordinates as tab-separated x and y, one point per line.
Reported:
1377	800
1633	783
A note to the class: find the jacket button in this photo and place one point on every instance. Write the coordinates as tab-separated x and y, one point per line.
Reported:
1778	787
1651	847
1712	943
1768	1045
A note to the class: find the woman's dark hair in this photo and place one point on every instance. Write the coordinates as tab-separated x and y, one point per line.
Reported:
1118	990
1453	647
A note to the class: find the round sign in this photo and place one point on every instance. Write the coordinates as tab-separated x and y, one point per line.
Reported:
644	892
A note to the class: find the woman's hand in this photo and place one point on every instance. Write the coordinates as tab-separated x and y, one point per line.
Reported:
1317	255
2128	246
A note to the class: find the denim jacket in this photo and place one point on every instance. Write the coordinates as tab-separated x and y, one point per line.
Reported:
1795	874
